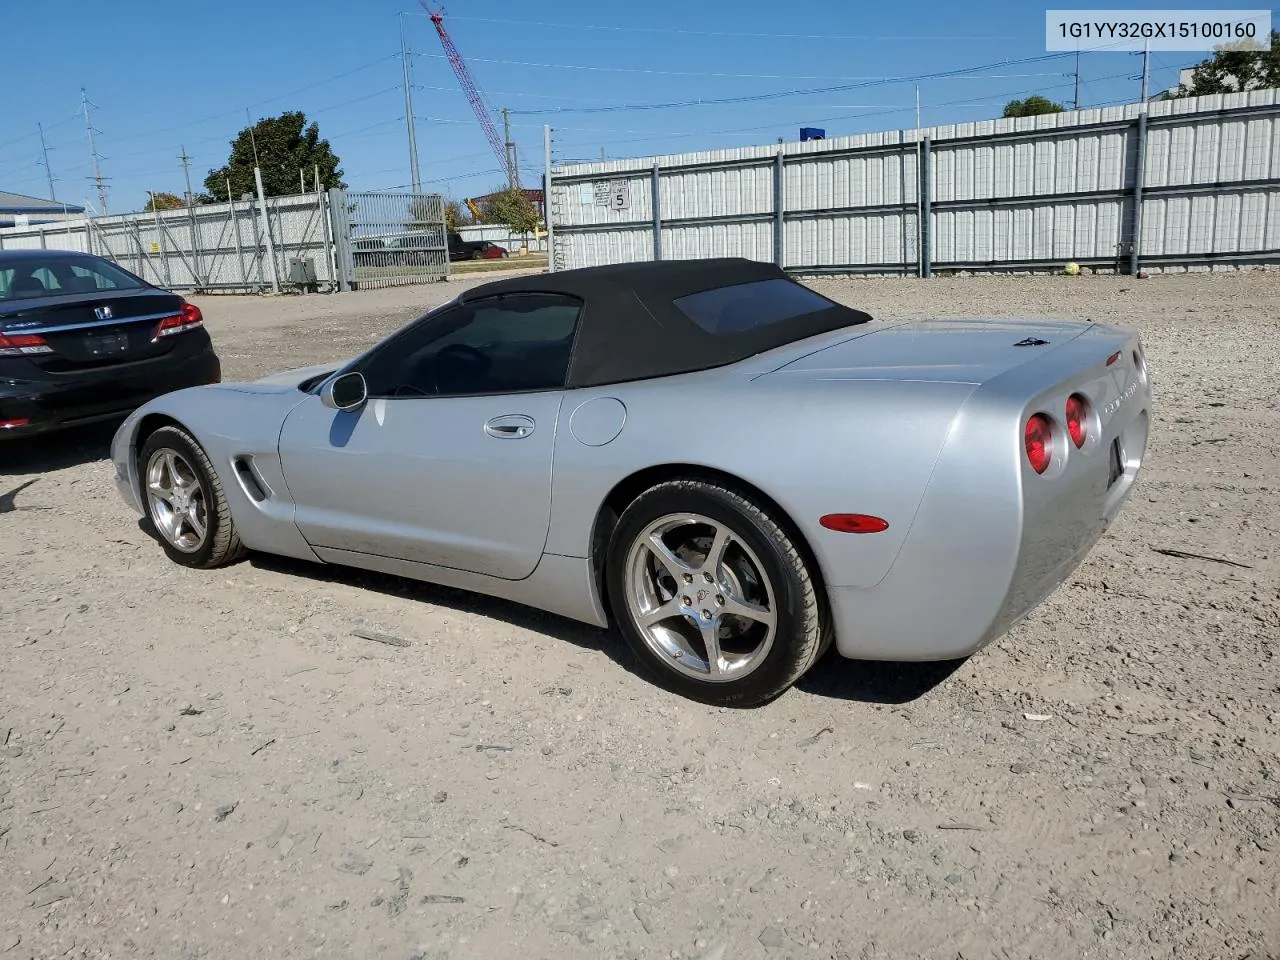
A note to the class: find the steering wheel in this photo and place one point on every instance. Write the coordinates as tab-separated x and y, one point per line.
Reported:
470	357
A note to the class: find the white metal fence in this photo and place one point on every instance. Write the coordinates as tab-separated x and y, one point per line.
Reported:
220	246
1030	193
503	237
316	241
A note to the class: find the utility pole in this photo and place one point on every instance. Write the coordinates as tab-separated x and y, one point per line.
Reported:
93	152
44	152
252	139
415	177
511	148
186	172
1076	101
546	199
1146	69
197	255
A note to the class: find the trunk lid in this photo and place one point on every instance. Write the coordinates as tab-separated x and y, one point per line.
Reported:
939	351
87	332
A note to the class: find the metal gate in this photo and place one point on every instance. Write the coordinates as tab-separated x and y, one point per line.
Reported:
389	239
224	246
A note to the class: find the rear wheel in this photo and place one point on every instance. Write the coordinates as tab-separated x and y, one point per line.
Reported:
713	595
186	509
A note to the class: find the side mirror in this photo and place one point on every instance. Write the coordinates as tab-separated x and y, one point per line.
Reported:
347	392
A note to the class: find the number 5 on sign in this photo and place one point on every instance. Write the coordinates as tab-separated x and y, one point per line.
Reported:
620	195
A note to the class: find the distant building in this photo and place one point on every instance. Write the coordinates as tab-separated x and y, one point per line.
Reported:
17	210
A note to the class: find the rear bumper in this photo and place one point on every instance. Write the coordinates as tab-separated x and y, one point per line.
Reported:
992	540
70	400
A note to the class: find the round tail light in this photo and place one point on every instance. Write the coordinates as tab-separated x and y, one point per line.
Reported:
1038	438
1077	412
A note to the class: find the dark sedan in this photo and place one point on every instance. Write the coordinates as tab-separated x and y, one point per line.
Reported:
82	339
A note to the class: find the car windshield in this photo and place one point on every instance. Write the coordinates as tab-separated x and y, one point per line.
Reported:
22	278
749	306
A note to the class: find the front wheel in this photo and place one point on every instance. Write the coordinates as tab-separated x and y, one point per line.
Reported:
713	595
186	509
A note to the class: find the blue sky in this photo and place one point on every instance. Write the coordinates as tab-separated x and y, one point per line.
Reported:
183	78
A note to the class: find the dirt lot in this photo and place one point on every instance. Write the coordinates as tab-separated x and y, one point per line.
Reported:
209	765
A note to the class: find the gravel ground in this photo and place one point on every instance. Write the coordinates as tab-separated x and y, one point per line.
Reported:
210	765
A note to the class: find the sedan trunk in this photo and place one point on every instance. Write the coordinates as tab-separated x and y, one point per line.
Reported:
120	327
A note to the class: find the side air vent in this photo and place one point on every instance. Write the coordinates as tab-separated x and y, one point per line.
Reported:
252	484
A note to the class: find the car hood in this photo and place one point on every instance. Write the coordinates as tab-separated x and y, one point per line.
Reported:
968	350
287	381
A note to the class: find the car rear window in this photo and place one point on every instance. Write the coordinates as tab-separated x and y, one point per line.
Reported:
22	278
749	306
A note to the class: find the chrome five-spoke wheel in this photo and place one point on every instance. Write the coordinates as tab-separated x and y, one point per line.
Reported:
700	597
177	502
184	503
714	592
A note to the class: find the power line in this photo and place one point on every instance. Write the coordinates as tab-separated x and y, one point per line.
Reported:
678	73
259	103
718	33
779	94
990	98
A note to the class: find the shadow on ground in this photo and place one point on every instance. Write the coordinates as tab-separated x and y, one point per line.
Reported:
58	450
833	677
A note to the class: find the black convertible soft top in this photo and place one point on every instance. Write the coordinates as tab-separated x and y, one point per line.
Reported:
642	320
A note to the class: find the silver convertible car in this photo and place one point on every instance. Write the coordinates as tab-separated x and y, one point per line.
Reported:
733	469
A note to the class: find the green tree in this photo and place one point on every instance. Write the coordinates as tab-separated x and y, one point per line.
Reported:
424	210
455	215
163	201
513	208
1234	68
285	145
1033	106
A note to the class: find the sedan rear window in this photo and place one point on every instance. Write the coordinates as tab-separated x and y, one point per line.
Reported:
749	306
22	278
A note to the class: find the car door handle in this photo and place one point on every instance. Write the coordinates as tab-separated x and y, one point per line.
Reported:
513	426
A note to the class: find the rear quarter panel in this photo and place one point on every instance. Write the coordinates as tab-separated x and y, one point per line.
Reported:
992	538
813	446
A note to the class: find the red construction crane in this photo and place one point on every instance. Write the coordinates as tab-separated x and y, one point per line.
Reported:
505	152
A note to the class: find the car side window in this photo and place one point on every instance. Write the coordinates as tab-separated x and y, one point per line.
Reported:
513	344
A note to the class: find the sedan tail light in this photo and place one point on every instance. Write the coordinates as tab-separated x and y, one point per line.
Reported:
1038	438
189	318
22	344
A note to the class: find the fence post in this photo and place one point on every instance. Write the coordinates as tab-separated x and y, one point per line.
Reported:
444	235
343	261
926	205
162	238
1139	181
197	255
657	213
326	231
235	227
779	228
266	230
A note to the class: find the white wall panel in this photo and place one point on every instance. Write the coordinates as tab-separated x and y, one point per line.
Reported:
976	169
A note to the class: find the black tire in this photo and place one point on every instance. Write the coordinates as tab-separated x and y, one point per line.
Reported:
802	632
221	544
